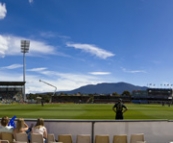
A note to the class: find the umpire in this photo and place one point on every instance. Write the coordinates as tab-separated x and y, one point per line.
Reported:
119	108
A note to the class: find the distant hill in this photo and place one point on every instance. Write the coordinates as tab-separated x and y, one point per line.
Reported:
106	88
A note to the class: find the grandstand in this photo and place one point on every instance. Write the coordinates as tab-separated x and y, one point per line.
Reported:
11	91
139	96
152	95
89	99
160	95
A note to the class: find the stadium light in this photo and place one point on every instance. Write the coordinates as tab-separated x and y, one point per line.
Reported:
24	49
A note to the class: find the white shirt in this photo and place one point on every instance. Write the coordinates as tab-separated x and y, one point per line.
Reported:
40	130
6	129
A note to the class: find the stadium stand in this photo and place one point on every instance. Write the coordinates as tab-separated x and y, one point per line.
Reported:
88	99
11	91
152	95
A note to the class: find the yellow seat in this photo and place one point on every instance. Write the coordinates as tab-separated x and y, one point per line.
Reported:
121	138
83	138
22	137
7	136
136	137
4	141
19	142
65	138
50	138
102	138
36	138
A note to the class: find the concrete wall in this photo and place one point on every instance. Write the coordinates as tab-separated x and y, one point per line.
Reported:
155	131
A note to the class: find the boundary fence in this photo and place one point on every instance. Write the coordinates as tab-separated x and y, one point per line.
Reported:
155	131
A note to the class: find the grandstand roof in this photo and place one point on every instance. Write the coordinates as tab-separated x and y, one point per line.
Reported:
12	83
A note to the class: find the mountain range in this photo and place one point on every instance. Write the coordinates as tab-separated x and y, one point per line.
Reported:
106	88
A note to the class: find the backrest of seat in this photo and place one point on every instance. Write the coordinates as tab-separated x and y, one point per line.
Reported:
65	138
136	137
121	138
83	138
102	138
56	142
7	136
21	137
4	141
38	138
20	142
50	138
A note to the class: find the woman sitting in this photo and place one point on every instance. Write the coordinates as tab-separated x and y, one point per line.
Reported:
39	128
21	127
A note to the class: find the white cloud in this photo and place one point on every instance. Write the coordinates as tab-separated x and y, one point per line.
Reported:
10	45
50	34
92	49
69	81
6	76
41	47
63	81
3	11
37	69
45	72
133	71
13	66
99	73
3	46
47	34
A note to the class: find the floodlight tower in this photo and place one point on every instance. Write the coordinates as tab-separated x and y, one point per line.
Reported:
24	49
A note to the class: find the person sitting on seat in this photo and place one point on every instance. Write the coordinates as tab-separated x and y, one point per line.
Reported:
39	128
4	125
21	127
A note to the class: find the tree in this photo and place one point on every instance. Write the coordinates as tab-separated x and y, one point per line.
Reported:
115	94
126	93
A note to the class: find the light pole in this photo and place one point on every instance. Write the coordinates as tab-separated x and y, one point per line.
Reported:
24	49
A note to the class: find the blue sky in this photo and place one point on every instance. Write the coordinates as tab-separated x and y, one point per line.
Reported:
75	43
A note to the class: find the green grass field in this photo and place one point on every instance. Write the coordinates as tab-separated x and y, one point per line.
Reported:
85	111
